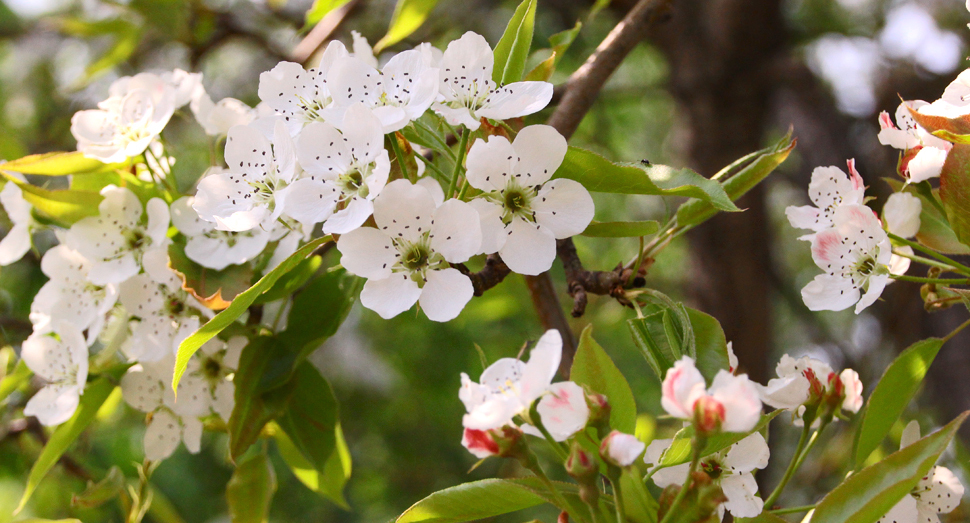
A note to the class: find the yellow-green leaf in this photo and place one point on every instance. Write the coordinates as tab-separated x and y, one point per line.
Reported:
59	164
512	49
64	206
407	18
593	368
250	490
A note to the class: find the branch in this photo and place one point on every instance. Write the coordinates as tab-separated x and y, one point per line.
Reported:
579	281
491	275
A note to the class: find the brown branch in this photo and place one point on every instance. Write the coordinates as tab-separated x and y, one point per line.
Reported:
491	275
320	33
579	281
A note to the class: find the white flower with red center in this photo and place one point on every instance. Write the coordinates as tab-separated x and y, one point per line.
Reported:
399	93
210	247
123	125
829	189
60	357
115	241
522	212
856	255
148	388
17	242
925	153
731	404
732	469
467	92
938	492
621	449
509	386
252	193
68	296
406	258
161	314
808	380
346	168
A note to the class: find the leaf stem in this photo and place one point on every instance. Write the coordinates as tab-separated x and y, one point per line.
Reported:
962	268
533	465
792	466
428	163
441	143
925	261
682	493
392	137
793	510
956	331
939	281
458	161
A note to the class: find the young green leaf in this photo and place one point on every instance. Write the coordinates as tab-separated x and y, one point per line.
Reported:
292	281
639	506
238	306
680	448
250	490
711	345
59	164
593	368
764	517
329	482
407	18
94	396
97	494
512	49
621	229
892	394
254	408
64	207
471	502
311	417
320	9
870	493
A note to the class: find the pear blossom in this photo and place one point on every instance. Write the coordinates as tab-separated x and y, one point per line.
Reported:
467	92
406	258
828	190
62	361
509	386
162	315
138	108
216	118
346	168
215	364
115	241
17	242
731	403
210	247
399	93
480	443
148	388
855	255
901	214
253	191
731	468
805	380
938	492
930	151
732	358
68	296
186	87
522	212
955	101
621	449
563	411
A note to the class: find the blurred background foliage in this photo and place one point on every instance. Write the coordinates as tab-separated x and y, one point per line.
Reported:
825	67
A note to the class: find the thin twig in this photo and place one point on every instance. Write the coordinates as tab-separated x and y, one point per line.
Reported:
320	33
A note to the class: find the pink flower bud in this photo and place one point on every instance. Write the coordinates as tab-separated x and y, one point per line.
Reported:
621	449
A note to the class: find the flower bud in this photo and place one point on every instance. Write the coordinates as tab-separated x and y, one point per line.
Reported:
582	465
505	442
599	412
621	449
708	415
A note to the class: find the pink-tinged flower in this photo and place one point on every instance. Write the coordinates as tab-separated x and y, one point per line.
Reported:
809	381
621	449
852	389
855	255
731	403
480	443
563	411
829	189
926	153
901	214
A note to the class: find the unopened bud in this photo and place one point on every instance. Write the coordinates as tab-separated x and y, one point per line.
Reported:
582	464
505	442
599	412
708	415
621	449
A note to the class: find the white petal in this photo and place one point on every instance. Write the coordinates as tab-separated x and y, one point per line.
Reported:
940	491
655	451
17	208
322	151
479	443
284	86
565	207
910	434
248	151
852	386
390	296
490	164
494	413
877	284
563	410
517	99
445	294
224	400
901	214
311	201
194	397
738	395
466	65
741	493
192	434
186	219
15	244
748	454
162	436
806	217
432	185
364	134
493	230
904	511
404	210
540	150
624	449
367	252
53	404
457	232
142	390
220	198
529	249
457	116
350	217
537	374
788	392
675	475
353	81
681	387
928	163
829	293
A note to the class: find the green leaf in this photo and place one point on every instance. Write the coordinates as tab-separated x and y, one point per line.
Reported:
711	345
40	520
598	174
638	504
512	49
239	305
97	494
561	42
407	18
214	289
621	229
955	190
250	490
593	368
254	408
892	394
680	448
869	494
320	9
59	164
291	281
664	334
472	501
652	342
95	393
739	178
63	207
19	376
310	419
764	517
329	482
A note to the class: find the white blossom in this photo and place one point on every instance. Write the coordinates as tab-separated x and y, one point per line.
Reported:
828	190
469	94
938	492
346	169
621	449
161	313
955	101
522	212
62	361
855	255
210	247
731	403
216	363
69	296
252	193
901	214
406	258
115	240
216	118
805	380
731	468
930	151
137	110
17	242
186	87
563	411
